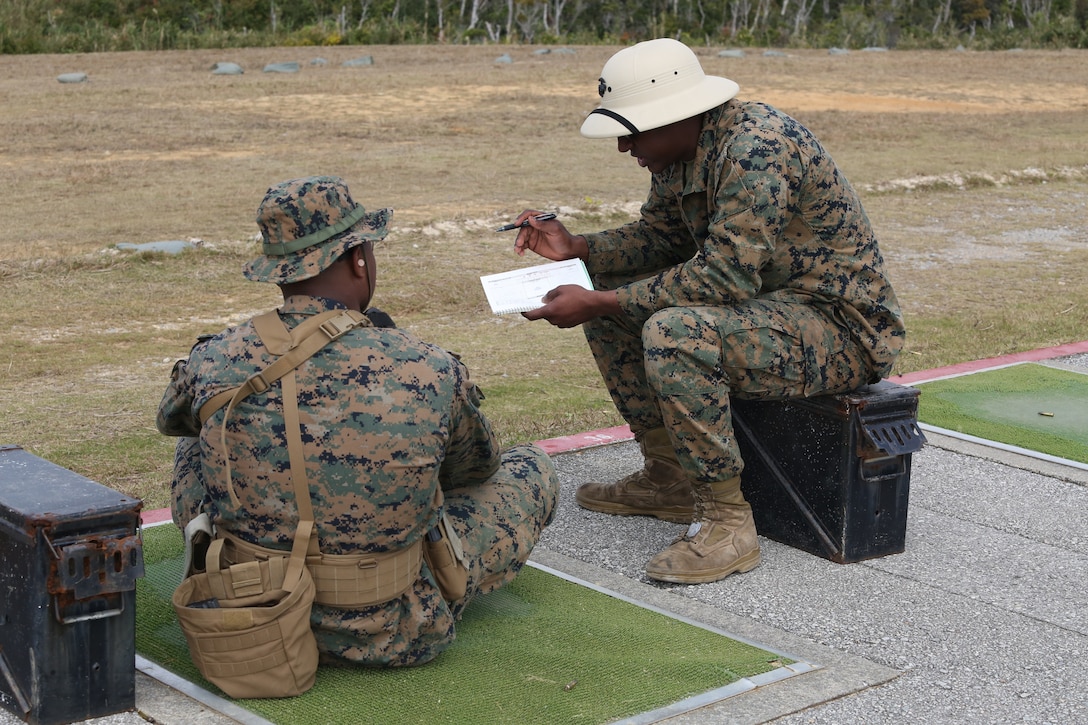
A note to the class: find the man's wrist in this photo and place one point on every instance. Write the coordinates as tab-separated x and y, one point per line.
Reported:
608	303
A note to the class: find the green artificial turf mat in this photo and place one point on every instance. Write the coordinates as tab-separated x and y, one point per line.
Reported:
1040	408
541	650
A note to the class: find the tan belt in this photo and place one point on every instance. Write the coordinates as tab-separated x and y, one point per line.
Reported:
345	580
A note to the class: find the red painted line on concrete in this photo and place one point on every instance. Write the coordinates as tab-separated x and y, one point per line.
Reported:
155	516
604	436
564	444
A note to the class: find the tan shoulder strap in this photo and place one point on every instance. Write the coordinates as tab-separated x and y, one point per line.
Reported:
305	540
294	348
301	343
296	456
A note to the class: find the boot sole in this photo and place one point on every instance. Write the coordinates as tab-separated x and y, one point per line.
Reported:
742	565
673	515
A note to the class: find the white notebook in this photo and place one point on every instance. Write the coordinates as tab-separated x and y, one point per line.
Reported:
521	290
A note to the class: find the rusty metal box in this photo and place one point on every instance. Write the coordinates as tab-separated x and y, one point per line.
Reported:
831	474
70	554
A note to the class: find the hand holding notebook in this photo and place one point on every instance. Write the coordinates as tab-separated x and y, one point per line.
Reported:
520	290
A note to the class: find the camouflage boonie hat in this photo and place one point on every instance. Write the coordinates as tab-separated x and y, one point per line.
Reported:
306	225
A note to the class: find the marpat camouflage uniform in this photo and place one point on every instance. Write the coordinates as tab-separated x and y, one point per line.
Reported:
753	271
386	418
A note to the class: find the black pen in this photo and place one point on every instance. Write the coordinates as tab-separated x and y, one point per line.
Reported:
509	227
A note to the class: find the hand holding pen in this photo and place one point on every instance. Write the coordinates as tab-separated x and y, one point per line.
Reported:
566	305
551	241
525	223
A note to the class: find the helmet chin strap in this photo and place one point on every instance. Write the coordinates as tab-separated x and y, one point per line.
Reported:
616	117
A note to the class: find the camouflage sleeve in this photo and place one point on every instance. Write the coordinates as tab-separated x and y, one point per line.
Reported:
473	454
187	490
658	239
175	416
749	196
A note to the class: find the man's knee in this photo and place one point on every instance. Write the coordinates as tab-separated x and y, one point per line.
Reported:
683	352
529	468
525	489
668	328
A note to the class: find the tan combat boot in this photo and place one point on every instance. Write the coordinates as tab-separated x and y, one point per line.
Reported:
660	489
722	541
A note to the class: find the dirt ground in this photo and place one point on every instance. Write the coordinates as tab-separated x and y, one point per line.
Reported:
972	166
154	145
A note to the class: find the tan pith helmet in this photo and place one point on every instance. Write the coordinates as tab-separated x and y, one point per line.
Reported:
652	84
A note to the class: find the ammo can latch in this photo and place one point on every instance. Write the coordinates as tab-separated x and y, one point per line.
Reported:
894	436
88	576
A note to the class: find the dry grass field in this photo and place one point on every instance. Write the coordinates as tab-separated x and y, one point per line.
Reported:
973	167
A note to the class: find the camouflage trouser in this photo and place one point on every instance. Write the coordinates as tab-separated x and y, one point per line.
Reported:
678	370
500	521
187	489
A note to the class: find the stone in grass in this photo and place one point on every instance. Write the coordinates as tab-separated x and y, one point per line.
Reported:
173	246
290	66
224	68
72	78
504	58
732	53
358	62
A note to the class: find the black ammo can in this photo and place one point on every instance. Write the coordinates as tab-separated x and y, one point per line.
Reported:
70	554
830	474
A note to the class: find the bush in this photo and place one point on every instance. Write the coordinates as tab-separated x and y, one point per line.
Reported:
66	26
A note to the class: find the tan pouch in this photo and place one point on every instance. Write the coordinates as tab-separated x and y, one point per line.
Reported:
248	625
446	559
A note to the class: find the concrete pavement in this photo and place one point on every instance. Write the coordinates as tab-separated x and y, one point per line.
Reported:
983	619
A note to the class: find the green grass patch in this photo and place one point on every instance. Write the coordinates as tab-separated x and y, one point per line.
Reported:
1030	406
540	650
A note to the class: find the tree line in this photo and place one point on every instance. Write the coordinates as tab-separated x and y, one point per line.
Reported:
59	26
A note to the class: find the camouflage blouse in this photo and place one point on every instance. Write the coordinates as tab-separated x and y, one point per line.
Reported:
386	418
761	211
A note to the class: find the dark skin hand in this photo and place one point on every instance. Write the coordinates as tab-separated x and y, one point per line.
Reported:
567	305
571	305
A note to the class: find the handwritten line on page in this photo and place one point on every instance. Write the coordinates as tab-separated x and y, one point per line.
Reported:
521	290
